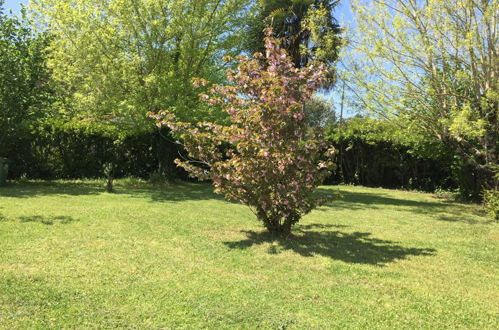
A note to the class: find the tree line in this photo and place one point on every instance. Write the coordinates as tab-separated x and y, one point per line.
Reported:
78	78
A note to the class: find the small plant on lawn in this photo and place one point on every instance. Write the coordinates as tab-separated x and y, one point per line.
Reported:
265	158
491	203
491	198
109	173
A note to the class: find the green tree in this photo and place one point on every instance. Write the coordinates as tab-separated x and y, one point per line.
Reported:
319	112
116	60
25	87
307	29
433	67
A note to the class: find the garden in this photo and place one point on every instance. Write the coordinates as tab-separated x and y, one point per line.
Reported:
289	164
74	256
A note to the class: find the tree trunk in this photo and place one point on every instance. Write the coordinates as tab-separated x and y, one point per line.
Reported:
274	225
166	155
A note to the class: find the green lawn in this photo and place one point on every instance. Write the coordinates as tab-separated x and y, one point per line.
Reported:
182	257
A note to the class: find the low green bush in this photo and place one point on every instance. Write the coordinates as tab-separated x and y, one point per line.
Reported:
491	203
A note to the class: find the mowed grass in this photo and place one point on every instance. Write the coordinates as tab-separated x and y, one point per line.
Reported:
73	256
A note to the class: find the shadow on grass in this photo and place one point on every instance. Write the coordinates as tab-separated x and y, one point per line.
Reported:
175	193
181	192
48	220
34	189
356	247
439	210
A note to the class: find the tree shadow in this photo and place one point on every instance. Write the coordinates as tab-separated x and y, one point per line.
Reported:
189	191
47	220
439	210
356	247
33	189
178	192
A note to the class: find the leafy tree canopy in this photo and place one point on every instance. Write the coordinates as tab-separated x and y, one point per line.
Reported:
25	89
433	67
307	29
116	60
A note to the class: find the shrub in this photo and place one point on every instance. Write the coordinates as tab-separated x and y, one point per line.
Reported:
265	158
157	178
491	203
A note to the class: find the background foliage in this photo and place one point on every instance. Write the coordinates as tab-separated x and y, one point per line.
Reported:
75	90
431	66
377	153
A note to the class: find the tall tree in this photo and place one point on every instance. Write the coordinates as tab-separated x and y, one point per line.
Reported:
116	60
25	89
307	29
433	66
319	113
119	59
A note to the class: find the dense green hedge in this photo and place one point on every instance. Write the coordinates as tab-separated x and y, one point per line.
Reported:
375	153
369	152
386	164
75	153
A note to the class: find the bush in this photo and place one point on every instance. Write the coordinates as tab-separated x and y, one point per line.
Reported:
157	178
491	203
272	164
376	153
63	151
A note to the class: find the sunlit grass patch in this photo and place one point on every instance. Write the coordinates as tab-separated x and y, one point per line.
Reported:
72	255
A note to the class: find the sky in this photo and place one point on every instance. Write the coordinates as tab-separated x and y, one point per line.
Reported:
343	15
14	5
342	10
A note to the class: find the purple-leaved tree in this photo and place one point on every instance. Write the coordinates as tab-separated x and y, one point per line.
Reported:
266	158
